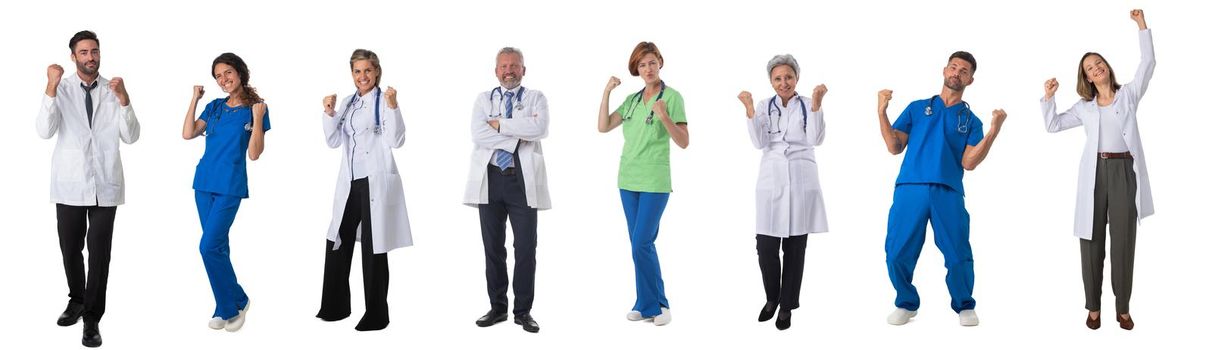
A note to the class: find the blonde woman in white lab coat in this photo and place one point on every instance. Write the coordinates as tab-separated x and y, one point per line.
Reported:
1113	184
786	127
369	204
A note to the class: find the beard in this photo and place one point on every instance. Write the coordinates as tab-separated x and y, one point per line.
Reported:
83	67
954	83
510	84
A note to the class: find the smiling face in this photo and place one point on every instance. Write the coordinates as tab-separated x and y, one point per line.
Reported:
87	56
1096	69
649	67
957	75
365	76
227	78
510	70
783	80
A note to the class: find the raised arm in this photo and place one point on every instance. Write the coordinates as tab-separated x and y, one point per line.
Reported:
814	124
393	124
193	126
894	139
1144	72
1056	122
256	143
679	132
128	125
608	121
974	155
49	116
758	130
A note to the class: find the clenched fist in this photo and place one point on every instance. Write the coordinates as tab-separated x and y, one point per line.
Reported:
391	97
118	86
1050	87
330	102
612	83
884	97
999	117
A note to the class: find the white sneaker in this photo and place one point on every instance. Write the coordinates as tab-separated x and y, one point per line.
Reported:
967	318
900	316
664	318
635	316
235	323
217	323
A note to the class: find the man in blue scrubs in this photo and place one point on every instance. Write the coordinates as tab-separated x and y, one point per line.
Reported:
941	137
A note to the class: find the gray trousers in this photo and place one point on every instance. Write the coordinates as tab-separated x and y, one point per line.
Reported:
1114	204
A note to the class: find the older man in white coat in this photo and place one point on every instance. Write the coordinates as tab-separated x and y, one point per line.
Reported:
90	114
508	182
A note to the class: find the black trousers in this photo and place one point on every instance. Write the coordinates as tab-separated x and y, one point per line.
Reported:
78	226
782	287
334	302
507	202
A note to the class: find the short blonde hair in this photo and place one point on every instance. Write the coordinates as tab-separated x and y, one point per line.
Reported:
364	54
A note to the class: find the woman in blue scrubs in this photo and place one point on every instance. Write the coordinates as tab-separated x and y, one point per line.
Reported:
233	125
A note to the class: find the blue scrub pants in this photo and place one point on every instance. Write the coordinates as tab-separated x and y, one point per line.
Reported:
217	212
643	211
912	206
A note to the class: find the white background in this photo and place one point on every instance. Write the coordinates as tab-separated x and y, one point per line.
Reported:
439	55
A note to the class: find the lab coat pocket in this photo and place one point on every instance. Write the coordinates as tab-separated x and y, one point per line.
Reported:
388	188
68	165
111	167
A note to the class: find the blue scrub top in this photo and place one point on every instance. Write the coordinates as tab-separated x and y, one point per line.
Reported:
935	150
223	168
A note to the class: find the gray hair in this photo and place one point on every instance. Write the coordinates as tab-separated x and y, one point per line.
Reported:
780	60
512	50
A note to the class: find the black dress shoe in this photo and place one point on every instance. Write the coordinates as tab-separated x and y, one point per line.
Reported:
491	318
528	323
92	334
783	322
71	314
767	312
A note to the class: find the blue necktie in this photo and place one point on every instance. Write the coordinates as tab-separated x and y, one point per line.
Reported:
504	158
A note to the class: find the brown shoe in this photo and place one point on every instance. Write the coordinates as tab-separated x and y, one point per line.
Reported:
1125	322
1093	323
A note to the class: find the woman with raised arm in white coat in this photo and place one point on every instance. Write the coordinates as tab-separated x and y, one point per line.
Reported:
369	204
786	127
1113	184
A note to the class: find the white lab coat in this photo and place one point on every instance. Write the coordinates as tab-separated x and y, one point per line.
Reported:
525	130
789	199
389	215
86	167
1085	113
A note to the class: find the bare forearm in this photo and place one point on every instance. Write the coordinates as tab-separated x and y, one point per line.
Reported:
604	113
189	129
892	141
678	132
976	155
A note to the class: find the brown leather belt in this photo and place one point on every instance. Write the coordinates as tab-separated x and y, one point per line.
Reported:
1112	155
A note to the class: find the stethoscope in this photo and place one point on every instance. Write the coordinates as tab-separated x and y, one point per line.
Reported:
219	115
639	98
497	106
378	122
771	109
961	123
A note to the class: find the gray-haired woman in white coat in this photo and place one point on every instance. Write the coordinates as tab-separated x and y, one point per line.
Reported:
369	204
1112	184
786	127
